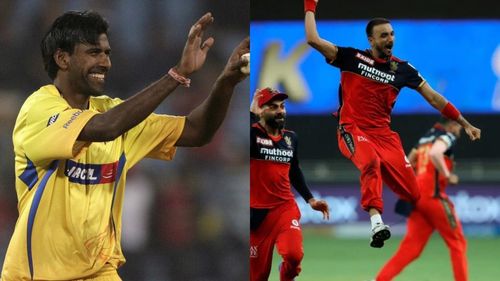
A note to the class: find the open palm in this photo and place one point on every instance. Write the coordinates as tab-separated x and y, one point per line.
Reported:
195	51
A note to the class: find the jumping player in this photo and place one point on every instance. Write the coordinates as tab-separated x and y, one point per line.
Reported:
433	162
73	147
274	166
370	82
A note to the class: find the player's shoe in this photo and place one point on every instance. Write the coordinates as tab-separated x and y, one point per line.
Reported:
380	233
279	270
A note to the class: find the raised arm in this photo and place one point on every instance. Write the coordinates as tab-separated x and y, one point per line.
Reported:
448	110
120	119
204	120
326	48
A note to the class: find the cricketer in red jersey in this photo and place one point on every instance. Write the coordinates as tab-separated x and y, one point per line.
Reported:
433	162
274	167
370	83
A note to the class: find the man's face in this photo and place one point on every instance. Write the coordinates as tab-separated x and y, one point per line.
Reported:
382	39
274	114
89	65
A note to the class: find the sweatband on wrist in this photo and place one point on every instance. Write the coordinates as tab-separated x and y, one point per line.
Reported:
310	5
450	111
186	82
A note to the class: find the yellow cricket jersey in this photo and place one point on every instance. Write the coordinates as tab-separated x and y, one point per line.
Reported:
70	192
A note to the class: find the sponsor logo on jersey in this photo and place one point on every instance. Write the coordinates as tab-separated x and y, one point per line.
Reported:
72	118
295	224
91	173
365	58
52	119
266	142
254	253
288	141
393	65
277	154
375	74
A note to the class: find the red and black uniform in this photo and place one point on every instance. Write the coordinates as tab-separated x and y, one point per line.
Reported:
368	90
434	211
274	214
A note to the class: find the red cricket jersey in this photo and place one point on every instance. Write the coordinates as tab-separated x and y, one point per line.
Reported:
369	86
270	161
431	183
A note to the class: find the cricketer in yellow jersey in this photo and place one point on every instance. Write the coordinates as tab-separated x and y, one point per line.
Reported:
73	147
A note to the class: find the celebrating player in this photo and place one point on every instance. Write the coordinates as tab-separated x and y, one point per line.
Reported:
73	147
274	166
370	82
433	162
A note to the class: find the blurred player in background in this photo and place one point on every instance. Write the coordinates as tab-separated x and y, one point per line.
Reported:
73	147
370	82
432	159
274	167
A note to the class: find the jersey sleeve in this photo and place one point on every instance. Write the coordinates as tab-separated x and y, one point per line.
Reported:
297	177
50	129
344	54
154	137
413	78
449	139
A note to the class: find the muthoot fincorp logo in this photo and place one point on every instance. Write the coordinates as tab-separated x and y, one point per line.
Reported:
276	154
375	74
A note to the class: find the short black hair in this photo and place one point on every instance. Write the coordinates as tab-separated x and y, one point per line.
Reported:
67	30
373	22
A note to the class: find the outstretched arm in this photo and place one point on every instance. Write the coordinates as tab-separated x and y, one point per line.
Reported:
326	48
204	120
448	110
120	119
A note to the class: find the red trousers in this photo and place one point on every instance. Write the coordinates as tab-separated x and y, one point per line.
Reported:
281	227
379	156
430	214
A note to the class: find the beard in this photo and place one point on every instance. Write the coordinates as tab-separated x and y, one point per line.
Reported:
386	53
276	122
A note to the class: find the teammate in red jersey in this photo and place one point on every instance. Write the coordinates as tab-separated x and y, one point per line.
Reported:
274	166
370	82
433	162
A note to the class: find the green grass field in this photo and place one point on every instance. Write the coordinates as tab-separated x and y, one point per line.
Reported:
332	259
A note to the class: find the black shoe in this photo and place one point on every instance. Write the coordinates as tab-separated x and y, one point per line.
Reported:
380	233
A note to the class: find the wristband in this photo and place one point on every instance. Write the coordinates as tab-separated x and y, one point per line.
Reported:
310	5
450	111
186	82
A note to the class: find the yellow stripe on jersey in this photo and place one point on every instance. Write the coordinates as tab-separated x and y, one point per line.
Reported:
70	193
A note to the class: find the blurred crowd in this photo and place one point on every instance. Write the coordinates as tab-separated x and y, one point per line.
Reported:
183	220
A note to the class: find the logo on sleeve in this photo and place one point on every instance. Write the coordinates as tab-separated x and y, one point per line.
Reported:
365	58
72	118
91	173
52	119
